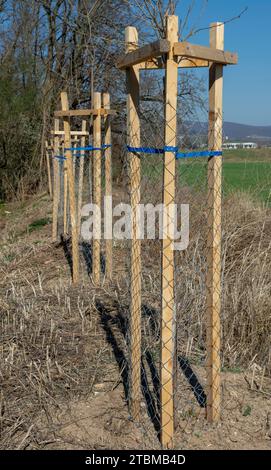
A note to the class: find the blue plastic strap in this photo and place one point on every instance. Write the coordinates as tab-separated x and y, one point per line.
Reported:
59	157
86	149
170	149
198	154
152	149
144	150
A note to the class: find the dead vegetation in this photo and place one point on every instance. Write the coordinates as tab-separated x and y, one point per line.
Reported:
63	351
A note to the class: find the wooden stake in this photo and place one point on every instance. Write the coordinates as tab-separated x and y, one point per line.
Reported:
97	190
133	133
56	184
214	230
49	163
81	176
74	158
65	198
168	304
72	204
108	183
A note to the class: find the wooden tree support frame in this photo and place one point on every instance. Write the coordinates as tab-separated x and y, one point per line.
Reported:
84	112
182	50
171	55
68	138
59	137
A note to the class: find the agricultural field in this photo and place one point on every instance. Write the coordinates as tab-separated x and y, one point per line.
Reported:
245	171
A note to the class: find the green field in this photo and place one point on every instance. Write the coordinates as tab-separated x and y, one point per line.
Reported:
243	171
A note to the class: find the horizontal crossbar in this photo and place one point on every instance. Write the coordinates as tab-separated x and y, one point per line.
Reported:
73	133
84	112
192	55
184	63
144	53
187	50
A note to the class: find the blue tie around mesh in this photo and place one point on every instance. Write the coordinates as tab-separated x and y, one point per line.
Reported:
198	154
59	157
144	150
87	149
150	150
179	155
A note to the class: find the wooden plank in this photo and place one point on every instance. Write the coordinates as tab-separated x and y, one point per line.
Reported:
71	189
56	195
108	186
158	64
83	112
214	231
49	164
168	319
73	133
81	175
133	139
142	54
212	54
97	191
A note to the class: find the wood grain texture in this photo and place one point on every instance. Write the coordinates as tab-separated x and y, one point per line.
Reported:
133	139
137	55
214	231
168	302
97	190
212	54
56	195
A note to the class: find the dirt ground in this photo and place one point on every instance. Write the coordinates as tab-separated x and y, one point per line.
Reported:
64	361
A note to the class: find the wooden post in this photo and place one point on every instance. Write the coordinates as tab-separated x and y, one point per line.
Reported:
214	230
97	189
133	137
49	163
75	145
108	181
81	175
72	203
65	198
56	183
168	304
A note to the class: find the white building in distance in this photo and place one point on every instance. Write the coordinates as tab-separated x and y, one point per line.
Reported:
239	145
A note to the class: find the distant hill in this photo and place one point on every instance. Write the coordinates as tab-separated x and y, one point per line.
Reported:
243	132
232	130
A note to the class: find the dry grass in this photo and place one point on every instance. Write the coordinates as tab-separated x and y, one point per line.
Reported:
246	281
61	354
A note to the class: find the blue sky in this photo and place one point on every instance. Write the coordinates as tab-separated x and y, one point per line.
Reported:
247	86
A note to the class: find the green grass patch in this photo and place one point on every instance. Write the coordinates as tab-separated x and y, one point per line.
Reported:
247	411
247	171
9	257
38	224
233	370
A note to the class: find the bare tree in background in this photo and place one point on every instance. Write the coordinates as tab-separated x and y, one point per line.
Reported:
50	45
